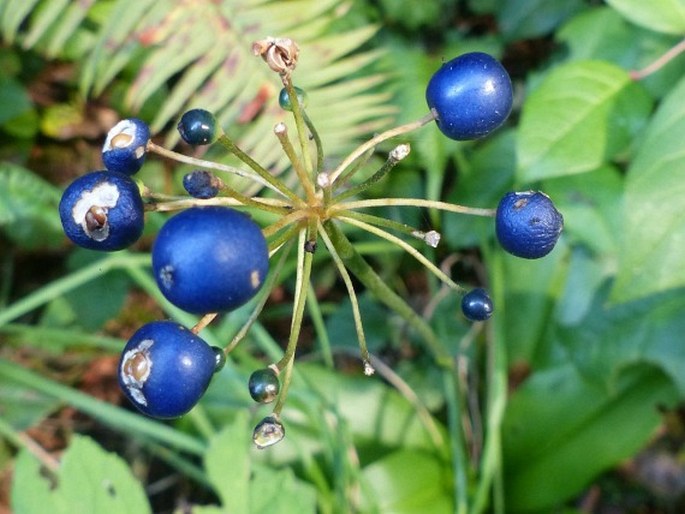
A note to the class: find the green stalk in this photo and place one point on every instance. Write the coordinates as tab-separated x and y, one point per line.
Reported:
459	463
281	131
388	165
317	141
299	123
320	327
365	273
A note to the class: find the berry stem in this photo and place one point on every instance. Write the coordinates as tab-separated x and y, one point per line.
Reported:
284	221
356	264
409	249
299	122
210	165
391	224
393	158
413	202
203	322
281	131
276	183
317	141
660	62
361	150
368	368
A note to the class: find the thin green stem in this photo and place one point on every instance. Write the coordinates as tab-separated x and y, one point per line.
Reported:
366	359
283	222
283	237
21	440
262	298
210	165
319	326
352	170
317	141
659	63
304	269
429	237
281	131
361	150
410	250
355	263
63	285
459	463
299	123
401	151
276	183
413	202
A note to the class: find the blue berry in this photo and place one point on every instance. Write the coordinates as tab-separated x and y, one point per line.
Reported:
165	369
210	259
201	184
197	127
126	145
527	224
284	99
102	210
264	385
471	96
476	305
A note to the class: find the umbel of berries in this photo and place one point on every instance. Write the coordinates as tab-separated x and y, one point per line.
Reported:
210	259
165	369
527	224
102	210
470	96
126	145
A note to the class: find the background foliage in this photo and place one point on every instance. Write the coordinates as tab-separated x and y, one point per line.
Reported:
589	339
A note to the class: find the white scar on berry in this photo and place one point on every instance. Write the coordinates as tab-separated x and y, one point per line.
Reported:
136	366
103	196
255	279
123	135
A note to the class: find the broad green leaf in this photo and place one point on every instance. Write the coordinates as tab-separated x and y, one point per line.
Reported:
89	479
612	337
660	15
407	482
15	99
23	407
579	117
561	430
280	490
227	462
526	19
653	231
28	208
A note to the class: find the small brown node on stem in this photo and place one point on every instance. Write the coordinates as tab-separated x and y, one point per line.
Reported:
280	54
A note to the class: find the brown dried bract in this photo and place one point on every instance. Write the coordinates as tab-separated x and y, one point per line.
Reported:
280	54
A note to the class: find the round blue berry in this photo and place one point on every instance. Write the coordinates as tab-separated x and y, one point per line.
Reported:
165	369
476	305
527	224
284	99
264	385
102	210
210	259
126	145
470	95
197	127
201	184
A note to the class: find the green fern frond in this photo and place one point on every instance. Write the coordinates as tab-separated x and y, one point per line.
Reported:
202	50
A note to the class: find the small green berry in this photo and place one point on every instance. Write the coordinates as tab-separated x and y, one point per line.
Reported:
264	385
198	127
284	99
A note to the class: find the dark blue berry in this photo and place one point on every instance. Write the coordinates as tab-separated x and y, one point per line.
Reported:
210	259
284	99
471	96
476	305
165	369
201	184
102	210
126	145
527	224
198	127
264	385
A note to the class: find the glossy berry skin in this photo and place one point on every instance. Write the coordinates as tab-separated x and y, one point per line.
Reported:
476	305
197	127
165	369
102	210
471	96
284	99
126	145
264	385
527	224
201	184
210	259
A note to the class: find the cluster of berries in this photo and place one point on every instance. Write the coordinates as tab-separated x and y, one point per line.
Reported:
213	258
